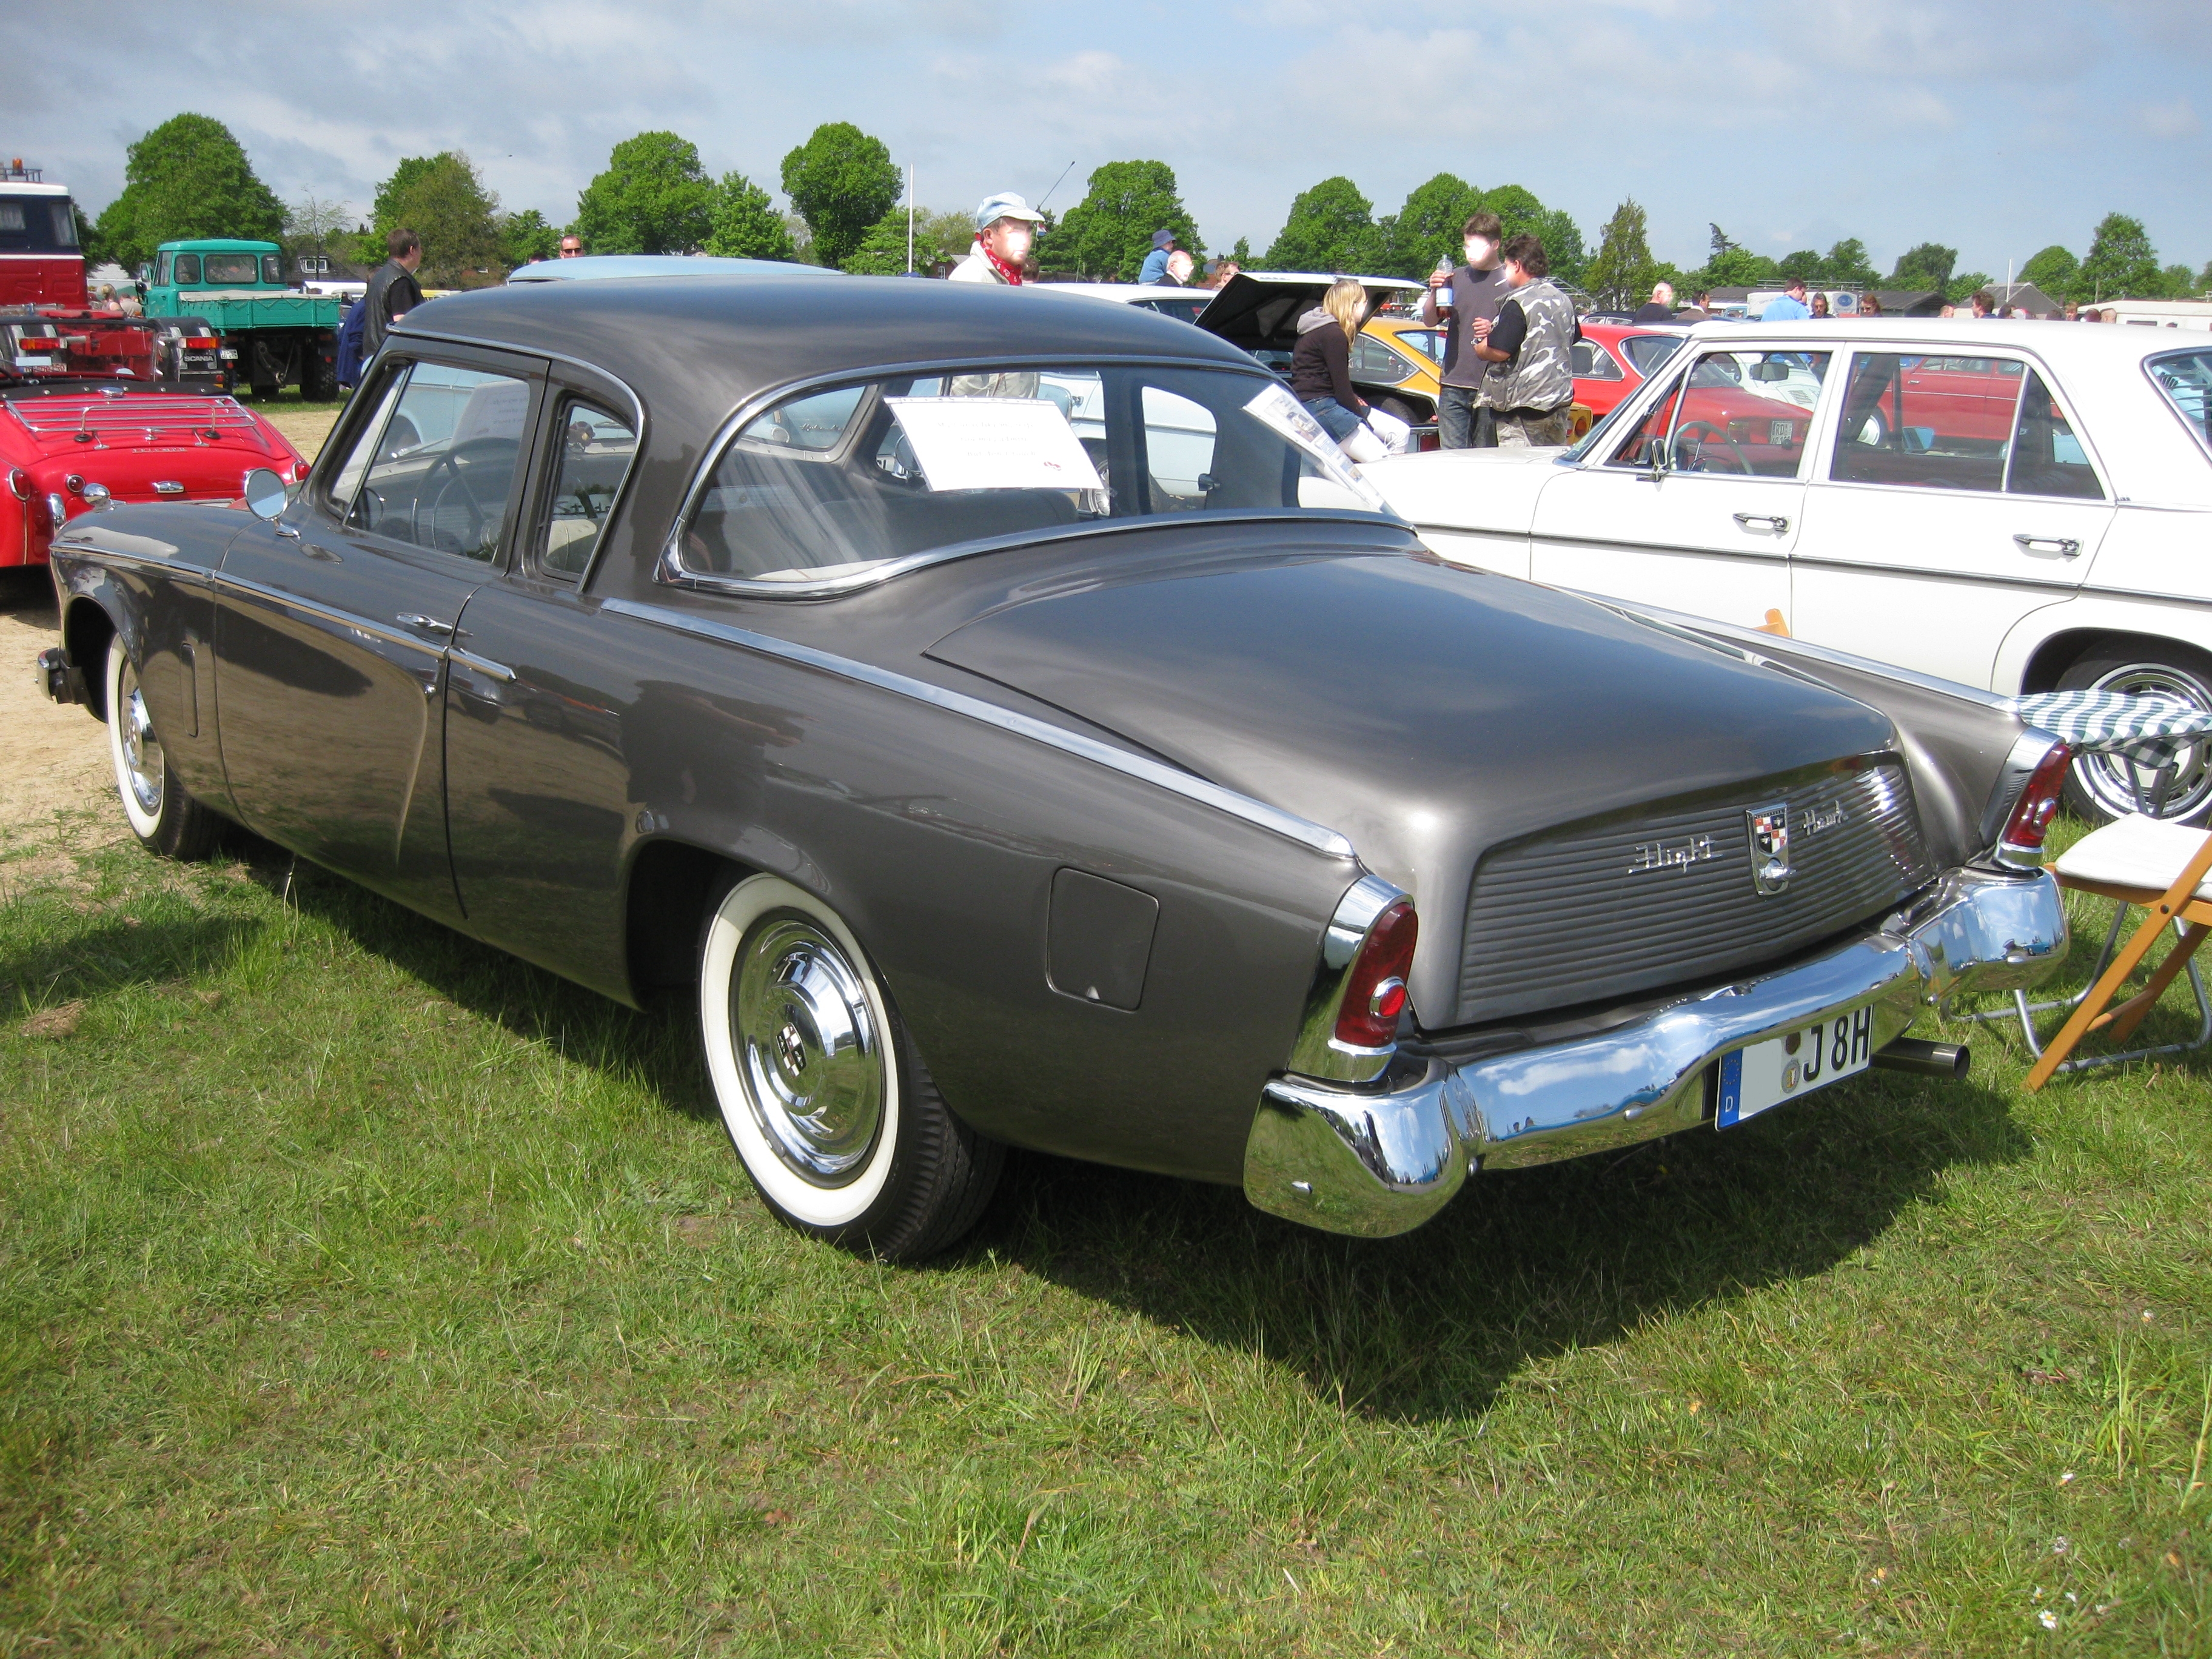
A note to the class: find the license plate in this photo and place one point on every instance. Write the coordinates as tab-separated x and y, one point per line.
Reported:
1781	1069
1778	432
33	359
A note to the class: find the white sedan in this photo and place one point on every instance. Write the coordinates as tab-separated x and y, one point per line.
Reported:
2021	506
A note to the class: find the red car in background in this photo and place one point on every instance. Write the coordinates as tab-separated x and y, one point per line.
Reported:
1613	359
70	445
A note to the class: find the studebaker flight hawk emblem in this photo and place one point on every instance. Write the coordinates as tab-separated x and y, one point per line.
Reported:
1769	828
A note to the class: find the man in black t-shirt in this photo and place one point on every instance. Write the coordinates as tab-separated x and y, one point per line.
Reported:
1475	291
392	291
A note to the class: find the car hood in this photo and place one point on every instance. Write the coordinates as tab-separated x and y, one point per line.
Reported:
1426	711
1493	489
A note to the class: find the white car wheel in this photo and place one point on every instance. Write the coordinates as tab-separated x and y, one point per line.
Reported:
830	1111
161	813
2101	787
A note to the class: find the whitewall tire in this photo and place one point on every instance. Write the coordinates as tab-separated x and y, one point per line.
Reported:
161	813
829	1109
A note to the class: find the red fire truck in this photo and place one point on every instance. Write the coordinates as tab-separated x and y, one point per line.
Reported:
48	324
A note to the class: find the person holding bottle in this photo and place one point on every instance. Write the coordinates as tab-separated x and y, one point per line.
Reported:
1463	302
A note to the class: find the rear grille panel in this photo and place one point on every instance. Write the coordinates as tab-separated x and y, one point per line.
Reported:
1566	917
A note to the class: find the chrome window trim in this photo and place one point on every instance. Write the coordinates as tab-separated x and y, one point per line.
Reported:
637	408
669	569
669	572
1328	842
2203	440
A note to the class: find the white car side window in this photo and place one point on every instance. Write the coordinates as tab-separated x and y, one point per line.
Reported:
1742	413
1929	423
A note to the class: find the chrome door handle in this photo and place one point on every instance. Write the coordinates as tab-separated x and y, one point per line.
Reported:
289	531
427	624
2064	546
1772	521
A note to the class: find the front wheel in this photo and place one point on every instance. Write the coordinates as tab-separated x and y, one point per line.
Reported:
831	1110
163	817
2100	787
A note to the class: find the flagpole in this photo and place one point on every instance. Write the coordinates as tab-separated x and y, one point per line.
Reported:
909	218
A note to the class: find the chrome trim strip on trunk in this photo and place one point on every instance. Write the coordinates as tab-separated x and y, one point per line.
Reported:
1288	825
1376	1162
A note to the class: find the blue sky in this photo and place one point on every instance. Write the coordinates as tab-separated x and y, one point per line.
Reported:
1995	128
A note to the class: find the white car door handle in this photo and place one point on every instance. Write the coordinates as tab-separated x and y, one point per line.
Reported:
1763	520
2064	546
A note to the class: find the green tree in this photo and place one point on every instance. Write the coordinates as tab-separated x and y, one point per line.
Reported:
2052	271
1331	228
654	197
1846	262
2177	283
1623	271
1735	266
525	236
1427	228
314	224
1722	243
1960	290
841	182
1241	253
1802	266
1926	265
1109	233
442	200
747	225
188	177
2121	263
2203	284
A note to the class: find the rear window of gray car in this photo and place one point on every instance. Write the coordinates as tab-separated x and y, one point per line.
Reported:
837	485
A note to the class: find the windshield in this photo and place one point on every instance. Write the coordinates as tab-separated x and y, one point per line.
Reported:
2185	378
834	486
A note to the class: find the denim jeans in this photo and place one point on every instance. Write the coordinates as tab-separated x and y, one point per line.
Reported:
1335	419
1459	424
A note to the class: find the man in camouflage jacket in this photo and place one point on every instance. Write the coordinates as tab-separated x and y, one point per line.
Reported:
1530	383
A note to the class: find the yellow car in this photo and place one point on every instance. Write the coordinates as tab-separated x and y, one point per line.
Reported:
1405	355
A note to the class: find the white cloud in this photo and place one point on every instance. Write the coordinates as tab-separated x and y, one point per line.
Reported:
2175	120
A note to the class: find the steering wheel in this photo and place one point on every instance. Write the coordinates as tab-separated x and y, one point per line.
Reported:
1702	427
460	461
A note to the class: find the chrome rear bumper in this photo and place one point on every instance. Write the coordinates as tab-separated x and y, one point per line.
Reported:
1375	1162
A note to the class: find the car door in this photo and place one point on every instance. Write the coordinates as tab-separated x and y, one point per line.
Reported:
538	776
1954	499
335	624
1709	528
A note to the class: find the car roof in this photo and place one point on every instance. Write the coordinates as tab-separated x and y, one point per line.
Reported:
695	347
1126	293
216	245
594	267
2056	342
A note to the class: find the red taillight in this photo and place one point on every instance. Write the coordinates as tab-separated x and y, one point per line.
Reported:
45	345
1375	988
201	343
2038	805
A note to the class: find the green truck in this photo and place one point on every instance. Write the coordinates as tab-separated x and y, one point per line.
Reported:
272	335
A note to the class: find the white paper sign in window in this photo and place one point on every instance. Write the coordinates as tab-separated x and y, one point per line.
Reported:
994	443
1277	408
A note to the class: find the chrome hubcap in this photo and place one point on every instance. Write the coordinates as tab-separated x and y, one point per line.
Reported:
141	750
2113	780
808	1050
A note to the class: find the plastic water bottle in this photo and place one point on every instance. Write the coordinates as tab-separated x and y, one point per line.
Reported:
1444	294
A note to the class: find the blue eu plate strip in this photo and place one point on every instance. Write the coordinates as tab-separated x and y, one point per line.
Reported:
1731	1101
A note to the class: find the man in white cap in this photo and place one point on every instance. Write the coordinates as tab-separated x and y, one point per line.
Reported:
1006	225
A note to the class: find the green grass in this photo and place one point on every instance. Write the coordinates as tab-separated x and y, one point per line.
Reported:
363	1291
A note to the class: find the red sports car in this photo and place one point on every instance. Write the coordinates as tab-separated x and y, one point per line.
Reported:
1612	359
68	444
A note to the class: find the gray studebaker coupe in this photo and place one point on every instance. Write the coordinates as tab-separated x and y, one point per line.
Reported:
1023	728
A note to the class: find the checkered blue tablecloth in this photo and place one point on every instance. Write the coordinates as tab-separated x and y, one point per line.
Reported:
2152	731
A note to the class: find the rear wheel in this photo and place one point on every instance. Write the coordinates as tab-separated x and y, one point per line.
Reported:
830	1108
2099	787
163	817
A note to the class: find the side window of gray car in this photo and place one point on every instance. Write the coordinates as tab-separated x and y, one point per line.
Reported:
592	453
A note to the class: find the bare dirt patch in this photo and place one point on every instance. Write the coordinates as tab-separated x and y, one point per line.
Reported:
52	756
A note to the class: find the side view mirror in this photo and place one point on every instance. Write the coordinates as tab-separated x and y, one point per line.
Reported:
265	492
